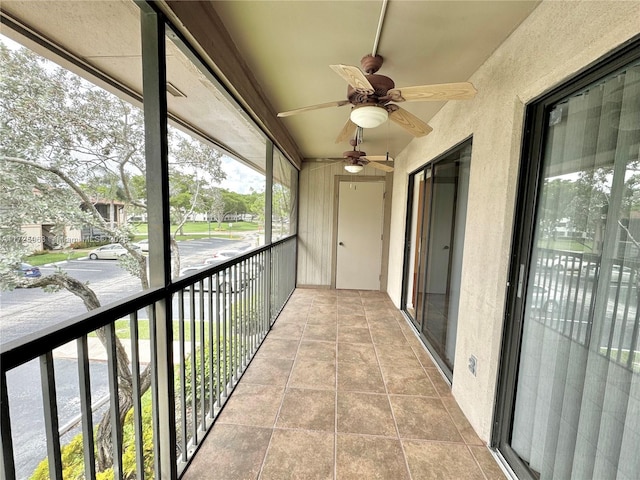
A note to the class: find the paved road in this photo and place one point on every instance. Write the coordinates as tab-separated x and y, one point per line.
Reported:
23	311
25	404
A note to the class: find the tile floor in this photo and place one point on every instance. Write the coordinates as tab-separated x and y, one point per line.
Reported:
342	389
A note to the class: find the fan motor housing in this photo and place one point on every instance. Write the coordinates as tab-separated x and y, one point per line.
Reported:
381	85
353	155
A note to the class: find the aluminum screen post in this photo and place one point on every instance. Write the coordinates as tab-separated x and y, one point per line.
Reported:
268	227
157	177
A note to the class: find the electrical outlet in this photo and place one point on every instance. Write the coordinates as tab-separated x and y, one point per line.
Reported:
473	365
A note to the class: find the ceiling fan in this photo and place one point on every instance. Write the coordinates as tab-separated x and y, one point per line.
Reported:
373	98
356	160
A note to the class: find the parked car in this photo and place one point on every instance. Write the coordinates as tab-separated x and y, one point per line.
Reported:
230	281
566	263
590	270
29	271
561	263
143	244
222	256
113	251
541	302
252	266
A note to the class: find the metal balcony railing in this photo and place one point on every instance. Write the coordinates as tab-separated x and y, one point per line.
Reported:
594	304
219	317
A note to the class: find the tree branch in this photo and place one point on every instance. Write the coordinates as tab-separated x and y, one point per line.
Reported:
76	188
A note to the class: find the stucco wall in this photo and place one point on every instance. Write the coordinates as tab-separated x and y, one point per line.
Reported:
556	41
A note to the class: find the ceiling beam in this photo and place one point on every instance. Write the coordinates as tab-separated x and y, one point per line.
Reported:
200	24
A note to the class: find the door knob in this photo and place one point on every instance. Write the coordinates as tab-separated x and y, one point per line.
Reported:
341	244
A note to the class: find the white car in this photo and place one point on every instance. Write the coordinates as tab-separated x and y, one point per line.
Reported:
113	251
541	302
230	282
222	256
590	270
143	244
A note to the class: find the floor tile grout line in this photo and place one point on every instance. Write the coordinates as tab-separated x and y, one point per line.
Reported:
335	387
393	415
304	319
454	422
406	321
284	394
335	407
476	460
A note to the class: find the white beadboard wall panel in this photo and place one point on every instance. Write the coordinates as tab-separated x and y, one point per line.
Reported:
316	222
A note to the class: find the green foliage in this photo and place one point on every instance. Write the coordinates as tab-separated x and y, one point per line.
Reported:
189	364
72	462
88	244
73	452
129	445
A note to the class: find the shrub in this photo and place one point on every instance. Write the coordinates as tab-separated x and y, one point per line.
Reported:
88	244
73	459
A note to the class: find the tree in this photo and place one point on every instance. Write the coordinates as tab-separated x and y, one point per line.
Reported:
282	207
217	207
64	142
256	205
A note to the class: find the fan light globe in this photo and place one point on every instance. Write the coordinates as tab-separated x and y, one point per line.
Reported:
353	168
369	116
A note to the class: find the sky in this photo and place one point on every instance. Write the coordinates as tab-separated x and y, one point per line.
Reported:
240	178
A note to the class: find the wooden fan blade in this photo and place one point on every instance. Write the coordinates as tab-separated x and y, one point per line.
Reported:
440	92
347	131
380	166
379	158
354	77
339	103
410	122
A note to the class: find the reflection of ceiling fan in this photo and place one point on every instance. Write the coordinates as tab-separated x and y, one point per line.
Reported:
356	160
372	95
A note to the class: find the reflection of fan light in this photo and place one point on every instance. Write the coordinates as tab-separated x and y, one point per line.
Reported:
369	116
353	168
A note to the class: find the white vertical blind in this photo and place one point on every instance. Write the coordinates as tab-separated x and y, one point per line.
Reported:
577	408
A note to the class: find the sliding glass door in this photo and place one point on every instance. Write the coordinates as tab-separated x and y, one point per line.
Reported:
435	238
572	405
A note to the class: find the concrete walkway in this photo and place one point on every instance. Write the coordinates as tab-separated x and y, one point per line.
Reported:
97	352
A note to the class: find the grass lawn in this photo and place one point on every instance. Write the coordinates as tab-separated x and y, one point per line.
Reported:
45	258
123	330
204	228
569	244
624	357
195	236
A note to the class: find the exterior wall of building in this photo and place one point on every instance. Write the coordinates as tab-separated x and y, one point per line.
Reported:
558	40
32	237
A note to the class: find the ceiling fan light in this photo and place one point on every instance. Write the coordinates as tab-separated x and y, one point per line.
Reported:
353	168
369	116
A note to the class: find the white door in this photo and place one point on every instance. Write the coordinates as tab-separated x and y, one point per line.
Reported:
360	219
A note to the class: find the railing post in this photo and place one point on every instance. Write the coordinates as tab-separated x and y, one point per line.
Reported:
50	406
7	463
157	176
268	229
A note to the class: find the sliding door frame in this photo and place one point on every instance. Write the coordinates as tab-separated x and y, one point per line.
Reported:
418	323
528	193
